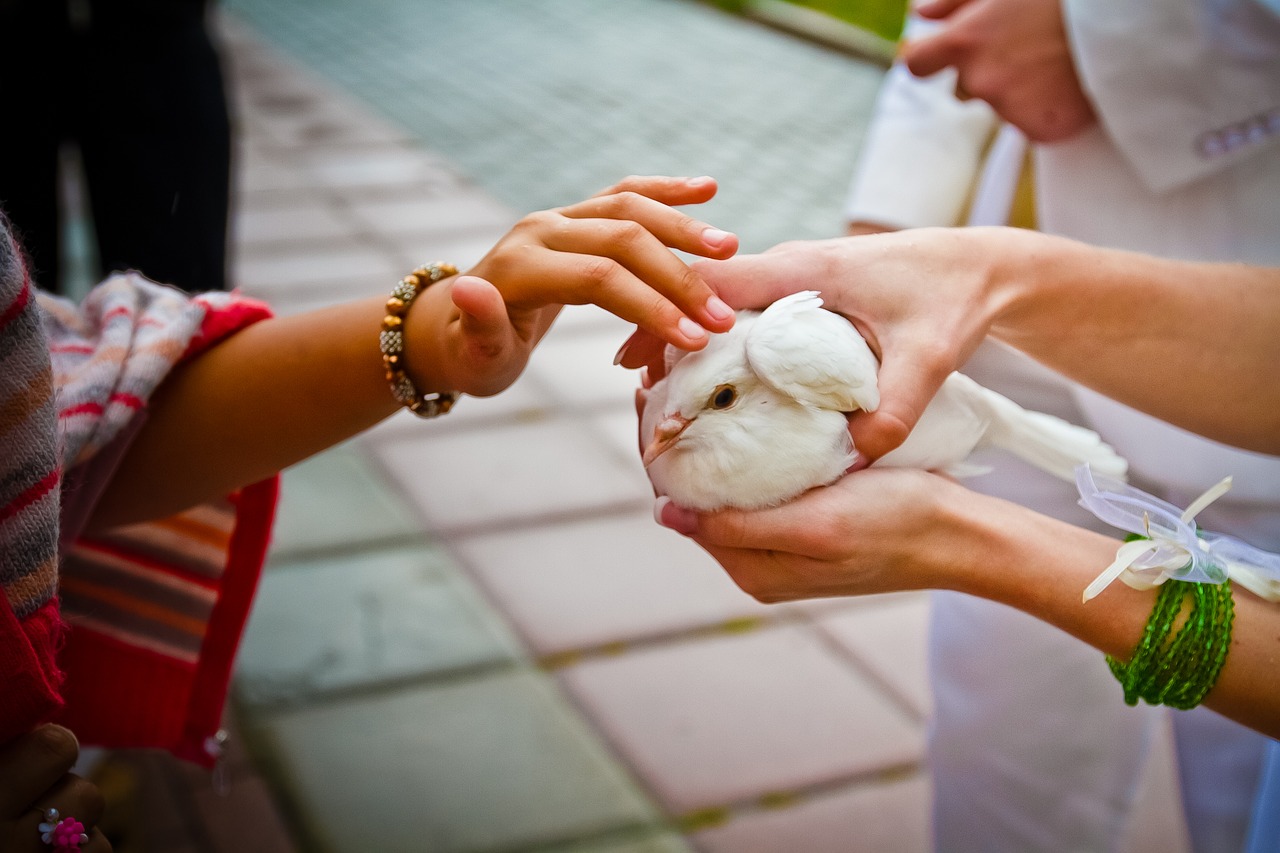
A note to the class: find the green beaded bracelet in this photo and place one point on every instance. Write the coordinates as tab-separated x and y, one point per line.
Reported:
1179	671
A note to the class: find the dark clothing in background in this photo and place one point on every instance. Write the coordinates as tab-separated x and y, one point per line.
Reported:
137	85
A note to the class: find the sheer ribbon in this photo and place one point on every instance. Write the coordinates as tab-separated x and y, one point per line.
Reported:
1173	547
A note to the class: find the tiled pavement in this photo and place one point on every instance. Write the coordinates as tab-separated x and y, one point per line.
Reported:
471	635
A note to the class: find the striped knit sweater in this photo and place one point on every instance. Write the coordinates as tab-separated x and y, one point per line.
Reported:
127	638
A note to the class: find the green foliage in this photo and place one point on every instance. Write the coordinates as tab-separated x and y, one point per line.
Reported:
882	17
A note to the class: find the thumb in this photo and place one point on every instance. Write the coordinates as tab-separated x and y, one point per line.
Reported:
749	281
906	387
486	327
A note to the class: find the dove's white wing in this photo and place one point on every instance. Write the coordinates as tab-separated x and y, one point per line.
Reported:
813	355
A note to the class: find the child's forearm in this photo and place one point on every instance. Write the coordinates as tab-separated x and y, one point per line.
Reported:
265	398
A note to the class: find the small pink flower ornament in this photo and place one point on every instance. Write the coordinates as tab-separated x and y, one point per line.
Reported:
65	835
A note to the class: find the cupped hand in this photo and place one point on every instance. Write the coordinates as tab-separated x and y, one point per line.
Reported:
1014	55
613	249
35	776
873	531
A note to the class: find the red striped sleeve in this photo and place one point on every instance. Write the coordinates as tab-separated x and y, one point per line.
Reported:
19	303
31	494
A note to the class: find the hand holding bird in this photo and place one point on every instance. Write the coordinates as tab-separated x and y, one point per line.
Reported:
759	416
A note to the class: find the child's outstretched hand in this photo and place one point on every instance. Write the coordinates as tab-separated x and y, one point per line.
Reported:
474	333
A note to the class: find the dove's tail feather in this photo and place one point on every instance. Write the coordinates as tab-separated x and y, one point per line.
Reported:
1049	442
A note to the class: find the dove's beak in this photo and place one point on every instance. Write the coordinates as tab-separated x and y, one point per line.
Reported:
665	436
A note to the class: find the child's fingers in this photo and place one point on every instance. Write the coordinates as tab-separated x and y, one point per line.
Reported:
581	279
642	349
653	267
670	226
665	189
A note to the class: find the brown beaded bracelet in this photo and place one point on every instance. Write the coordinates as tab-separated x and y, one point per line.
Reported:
391	342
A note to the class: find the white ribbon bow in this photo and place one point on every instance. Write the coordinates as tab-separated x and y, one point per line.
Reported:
1173	547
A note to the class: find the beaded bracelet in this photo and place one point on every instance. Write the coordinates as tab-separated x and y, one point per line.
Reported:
391	342
1179	672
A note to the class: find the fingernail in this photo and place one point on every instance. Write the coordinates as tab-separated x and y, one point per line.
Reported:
673	517
622	352
717	309
699	181
690	329
715	236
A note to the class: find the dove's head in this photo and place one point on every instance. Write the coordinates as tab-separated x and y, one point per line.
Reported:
717	434
706	399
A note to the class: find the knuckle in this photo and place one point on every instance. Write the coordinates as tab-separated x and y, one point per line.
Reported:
56	745
619	203
690	281
598	271
933	356
629	233
538	220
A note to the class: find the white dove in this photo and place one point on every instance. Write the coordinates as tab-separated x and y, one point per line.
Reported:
758	416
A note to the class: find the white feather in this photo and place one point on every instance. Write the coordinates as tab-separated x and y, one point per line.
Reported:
806	352
796	369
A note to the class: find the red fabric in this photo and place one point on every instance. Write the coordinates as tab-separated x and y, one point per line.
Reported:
120	695
224	321
255	513
156	701
28	672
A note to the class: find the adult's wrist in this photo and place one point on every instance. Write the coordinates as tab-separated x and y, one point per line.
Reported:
1033	285
967	541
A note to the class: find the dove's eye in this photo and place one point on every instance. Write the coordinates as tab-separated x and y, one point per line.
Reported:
724	396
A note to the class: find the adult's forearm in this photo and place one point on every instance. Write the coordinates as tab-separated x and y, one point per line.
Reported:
1195	344
1041	566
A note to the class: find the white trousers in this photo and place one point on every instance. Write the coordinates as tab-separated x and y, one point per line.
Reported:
1031	746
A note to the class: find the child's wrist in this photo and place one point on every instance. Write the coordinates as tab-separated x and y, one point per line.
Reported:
411	338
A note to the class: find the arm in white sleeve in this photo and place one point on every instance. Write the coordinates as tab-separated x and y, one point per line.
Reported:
1183	87
922	150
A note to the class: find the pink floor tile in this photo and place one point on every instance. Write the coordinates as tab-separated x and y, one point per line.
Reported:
732	718
890	638
499	474
590	583
885	817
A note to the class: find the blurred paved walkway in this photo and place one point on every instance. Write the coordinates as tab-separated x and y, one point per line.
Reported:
543	103
471	635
